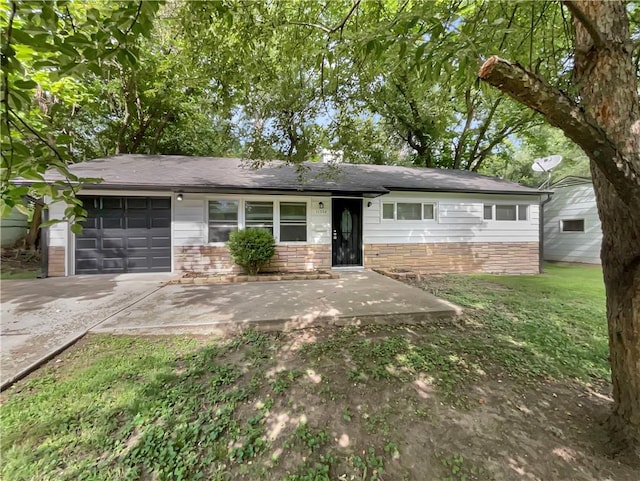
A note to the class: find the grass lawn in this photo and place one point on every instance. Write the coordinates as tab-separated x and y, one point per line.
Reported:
515	389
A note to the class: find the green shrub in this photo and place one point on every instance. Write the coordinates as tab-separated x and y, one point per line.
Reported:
251	249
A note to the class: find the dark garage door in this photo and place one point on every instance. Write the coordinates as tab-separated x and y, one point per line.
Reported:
125	234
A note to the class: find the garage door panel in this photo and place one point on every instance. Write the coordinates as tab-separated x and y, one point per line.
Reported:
113	243
125	234
160	222
86	243
117	223
135	203
85	265
137	242
162	203
137	222
90	223
161	242
112	203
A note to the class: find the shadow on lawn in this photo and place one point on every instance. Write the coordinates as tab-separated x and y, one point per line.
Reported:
335	401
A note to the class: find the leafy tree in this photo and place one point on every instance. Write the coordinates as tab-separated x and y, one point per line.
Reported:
48	49
538	142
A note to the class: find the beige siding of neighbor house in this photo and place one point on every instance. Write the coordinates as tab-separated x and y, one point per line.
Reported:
572	203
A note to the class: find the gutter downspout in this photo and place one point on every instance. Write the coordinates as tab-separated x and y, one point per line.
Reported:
541	233
44	246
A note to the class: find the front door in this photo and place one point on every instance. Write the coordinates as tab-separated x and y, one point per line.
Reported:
346	230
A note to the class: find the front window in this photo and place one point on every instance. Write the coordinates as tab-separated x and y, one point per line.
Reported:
509	212
293	221
258	215
223	219
406	211
388	211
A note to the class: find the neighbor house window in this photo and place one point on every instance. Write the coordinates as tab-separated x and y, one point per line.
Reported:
506	212
258	215
572	225
408	211
223	219
293	221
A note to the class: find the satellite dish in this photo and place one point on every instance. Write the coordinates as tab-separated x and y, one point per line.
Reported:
546	164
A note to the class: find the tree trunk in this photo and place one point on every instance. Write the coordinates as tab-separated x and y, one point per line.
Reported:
606	125
31	239
608	85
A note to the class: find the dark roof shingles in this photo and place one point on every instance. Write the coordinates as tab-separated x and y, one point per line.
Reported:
203	173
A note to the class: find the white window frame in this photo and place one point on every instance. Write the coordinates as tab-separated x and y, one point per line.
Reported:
395	211
584	226
515	204
276	214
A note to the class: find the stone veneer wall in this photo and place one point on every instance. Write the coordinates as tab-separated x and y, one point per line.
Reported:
442	258
289	258
55	261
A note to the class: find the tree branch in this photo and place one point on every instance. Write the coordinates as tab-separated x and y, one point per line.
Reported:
5	92
135	19
586	22
326	29
562	112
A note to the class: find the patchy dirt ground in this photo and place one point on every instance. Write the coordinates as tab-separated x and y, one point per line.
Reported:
16	263
513	390
326	404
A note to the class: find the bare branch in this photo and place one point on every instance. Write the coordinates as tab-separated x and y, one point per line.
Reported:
135	19
586	22
562	112
326	29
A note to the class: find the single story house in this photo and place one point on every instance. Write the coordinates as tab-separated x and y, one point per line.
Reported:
572	230
156	213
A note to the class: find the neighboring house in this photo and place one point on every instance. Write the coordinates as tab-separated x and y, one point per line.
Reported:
13	228
174	213
572	231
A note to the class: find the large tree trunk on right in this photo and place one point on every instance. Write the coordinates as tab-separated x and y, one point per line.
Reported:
608	85
606	124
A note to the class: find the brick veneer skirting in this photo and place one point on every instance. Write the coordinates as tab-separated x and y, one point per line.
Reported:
55	261
441	258
292	258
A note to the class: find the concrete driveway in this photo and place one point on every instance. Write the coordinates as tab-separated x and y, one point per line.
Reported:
358	297
41	316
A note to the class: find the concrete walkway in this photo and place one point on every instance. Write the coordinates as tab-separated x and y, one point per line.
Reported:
40	317
358	297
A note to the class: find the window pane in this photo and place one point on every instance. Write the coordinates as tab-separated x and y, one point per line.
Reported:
505	212
387	211
223	210
261	212
220	233
293	212
409	211
428	211
573	225
293	233
488	212
522	212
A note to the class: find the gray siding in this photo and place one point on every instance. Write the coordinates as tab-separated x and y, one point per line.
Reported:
572	202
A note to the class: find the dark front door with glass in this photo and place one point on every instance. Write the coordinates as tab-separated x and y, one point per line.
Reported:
346	231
